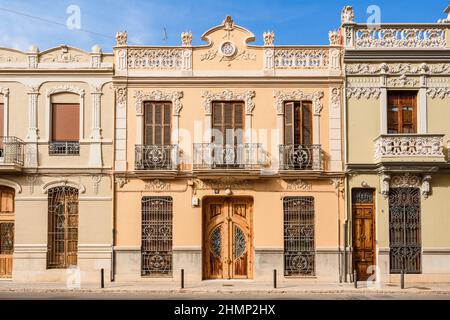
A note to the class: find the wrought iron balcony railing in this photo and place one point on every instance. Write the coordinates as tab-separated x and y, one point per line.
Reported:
64	148
301	157
217	156
156	157
400	146
11	151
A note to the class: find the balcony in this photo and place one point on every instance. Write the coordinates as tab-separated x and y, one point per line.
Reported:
156	157
241	157
64	148
301	157
410	148
11	154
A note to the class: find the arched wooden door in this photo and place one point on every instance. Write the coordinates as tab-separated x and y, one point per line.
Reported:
228	238
7	220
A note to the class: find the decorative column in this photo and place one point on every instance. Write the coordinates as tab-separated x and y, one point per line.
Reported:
32	135
95	155
269	52
121	129
5	93
383	101
423	107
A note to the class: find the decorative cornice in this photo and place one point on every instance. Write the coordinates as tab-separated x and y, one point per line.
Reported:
157	95
441	93
157	185
298	185
402	81
65	88
228	95
397	69
297	95
223	184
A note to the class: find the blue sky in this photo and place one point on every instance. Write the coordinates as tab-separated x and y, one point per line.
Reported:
304	22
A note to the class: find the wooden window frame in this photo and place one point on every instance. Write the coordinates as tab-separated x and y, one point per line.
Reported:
396	95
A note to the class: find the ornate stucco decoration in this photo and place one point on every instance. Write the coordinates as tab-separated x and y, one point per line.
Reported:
401	37
406	180
415	145
299	58
223	184
64	56
65	88
4	58
156	59
298	185
157	95
63	183
333	36
367	93
121	181
336	97
402	81
228	95
121	95
297	95
96	179
397	69
157	185
269	38
186	39
338	185
4	91
441	93
348	15
121	38
446	20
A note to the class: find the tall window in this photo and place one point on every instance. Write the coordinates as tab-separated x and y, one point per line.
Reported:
62	228
6	200
402	112
299	236
157	123
65	129
298	123
156	250
228	123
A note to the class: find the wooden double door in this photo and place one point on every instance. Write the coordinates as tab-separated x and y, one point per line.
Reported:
363	233
227	238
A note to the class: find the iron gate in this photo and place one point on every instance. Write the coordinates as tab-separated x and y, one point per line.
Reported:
299	246
62	228
156	250
405	230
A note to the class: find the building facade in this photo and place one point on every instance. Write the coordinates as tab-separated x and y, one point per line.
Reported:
397	132
228	159
56	152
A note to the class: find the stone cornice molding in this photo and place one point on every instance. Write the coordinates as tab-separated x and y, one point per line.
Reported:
297	95
398	69
11	184
228	95
157	95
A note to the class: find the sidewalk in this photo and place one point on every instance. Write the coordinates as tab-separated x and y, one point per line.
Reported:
229	288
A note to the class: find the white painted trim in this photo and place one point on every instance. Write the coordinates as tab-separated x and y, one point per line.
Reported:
383	110
58	183
11	184
5	93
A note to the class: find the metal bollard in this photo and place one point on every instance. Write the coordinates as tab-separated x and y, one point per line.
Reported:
355	279
102	278
402	280
275	279
182	278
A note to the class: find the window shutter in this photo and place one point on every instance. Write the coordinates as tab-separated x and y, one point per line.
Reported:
306	123
167	124
218	122
65	122
157	123
148	126
6	201
289	123
402	112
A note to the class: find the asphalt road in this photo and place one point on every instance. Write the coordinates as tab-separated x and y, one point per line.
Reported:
216	296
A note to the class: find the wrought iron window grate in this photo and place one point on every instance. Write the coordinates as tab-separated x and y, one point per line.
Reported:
299	236
156	250
68	148
405	230
62	251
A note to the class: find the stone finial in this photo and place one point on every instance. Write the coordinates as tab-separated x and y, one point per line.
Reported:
446	20
228	23
121	38
269	38
33	49
334	38
348	15
96	49
186	39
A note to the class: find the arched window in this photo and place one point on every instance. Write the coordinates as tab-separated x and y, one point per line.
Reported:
62	244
